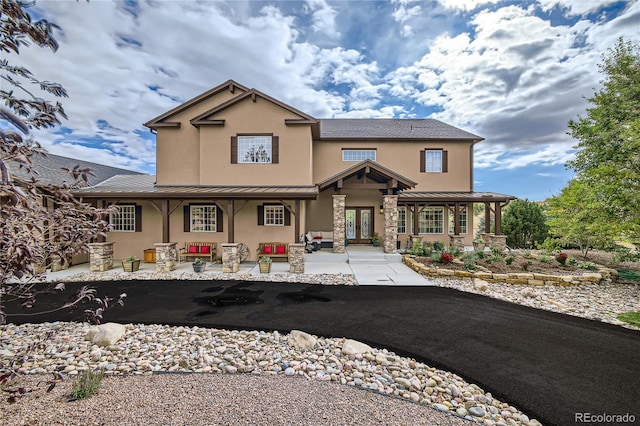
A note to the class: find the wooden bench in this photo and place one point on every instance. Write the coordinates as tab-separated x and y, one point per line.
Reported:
195	249
273	250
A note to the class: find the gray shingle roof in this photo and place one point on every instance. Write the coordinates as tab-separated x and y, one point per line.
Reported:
382	128
49	170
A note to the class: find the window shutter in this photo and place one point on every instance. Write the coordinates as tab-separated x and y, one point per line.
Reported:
234	150
445	161
423	161
287	217
260	215
275	149
138	218
187	218
218	219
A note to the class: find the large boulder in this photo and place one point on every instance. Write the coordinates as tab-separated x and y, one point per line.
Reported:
301	340
105	334
352	347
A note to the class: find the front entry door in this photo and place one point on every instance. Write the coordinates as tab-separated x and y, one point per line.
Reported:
359	224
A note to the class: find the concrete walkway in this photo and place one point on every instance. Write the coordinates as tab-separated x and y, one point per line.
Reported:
369	265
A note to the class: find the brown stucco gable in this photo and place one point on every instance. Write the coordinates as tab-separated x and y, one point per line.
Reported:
203	119
161	120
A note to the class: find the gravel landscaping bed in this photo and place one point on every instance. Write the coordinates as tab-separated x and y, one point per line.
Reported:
600	302
148	349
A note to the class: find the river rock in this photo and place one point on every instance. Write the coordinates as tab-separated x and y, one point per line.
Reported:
352	347
301	340
105	334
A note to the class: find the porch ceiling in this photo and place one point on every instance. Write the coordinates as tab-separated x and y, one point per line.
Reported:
453	197
373	171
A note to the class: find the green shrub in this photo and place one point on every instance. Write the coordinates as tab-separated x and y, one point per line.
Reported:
87	383
469	260
496	251
480	254
494	258
438	246
436	257
587	265
508	260
572	261
624	254
544	258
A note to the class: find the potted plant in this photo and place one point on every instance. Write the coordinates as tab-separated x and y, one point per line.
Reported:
478	244
265	264
375	239
131	264
198	265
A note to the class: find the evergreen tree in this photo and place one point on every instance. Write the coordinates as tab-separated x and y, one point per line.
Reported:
524	224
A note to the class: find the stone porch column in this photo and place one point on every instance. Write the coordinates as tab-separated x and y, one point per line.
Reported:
57	263
230	257
296	258
457	241
499	241
390	237
100	257
339	203
166	257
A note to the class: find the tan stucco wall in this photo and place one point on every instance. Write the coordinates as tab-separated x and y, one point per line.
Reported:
134	243
260	117
320	211
177	150
404	159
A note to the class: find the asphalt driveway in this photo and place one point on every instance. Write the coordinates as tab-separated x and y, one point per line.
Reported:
551	366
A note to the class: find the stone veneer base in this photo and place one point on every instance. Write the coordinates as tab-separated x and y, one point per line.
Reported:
604	275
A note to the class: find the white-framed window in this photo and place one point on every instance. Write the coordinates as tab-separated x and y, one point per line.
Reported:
124	220
402	220
203	218
431	221
274	215
254	149
463	219
358	154
433	160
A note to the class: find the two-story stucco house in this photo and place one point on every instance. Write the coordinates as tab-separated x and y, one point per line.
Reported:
235	165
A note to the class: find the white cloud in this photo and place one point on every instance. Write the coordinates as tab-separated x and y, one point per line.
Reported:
518	82
575	7
323	18
466	5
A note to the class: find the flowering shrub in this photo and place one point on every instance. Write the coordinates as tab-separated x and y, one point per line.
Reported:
508	260
561	258
446	258
525	265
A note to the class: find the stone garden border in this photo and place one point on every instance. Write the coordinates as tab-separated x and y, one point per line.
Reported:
602	276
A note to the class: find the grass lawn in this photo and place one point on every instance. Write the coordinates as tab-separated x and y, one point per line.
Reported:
632	318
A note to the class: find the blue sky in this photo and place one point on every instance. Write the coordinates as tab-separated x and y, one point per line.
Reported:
514	72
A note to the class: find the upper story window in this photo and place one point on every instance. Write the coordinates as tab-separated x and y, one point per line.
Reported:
358	154
255	149
203	219
434	161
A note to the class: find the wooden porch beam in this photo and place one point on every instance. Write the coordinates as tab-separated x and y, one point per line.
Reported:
165	221
231	225
297	221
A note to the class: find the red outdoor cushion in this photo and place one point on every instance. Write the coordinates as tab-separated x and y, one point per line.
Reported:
280	249
193	249
205	249
267	249
317	237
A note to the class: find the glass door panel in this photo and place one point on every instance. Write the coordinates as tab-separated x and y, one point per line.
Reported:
350	227
365	224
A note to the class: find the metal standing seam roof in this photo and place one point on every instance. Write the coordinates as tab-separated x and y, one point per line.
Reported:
435	196
391	128
49	168
143	186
